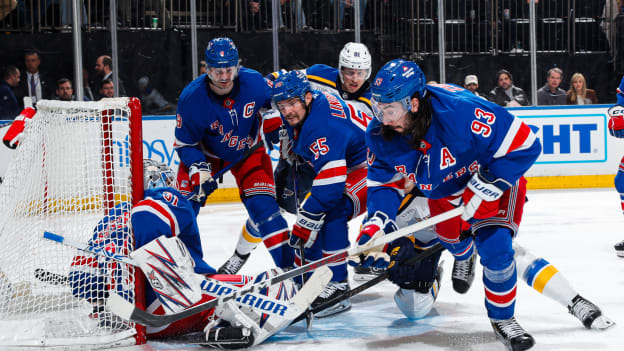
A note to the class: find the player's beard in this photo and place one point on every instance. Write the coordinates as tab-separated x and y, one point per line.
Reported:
417	125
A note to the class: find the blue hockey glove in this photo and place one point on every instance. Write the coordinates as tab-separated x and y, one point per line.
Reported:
201	182
379	225
306	229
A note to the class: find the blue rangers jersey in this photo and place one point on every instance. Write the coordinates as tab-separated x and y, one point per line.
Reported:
466	133
325	78
221	127
332	140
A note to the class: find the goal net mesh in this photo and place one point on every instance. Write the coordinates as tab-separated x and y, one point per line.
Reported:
71	170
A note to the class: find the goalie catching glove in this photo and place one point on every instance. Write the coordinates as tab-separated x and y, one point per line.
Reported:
379	225
202	183
306	228
481	196
616	121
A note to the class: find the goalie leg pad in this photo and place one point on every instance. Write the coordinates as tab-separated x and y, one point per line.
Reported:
168	267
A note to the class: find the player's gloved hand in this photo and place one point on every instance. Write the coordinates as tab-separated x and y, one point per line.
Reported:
15	132
616	121
481	196
202	182
377	226
401	274
306	229
272	127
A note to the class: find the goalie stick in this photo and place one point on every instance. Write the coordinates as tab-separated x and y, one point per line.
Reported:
127	310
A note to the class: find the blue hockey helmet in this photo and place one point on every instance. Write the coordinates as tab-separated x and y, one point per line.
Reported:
620	93
221	52
289	85
157	175
397	80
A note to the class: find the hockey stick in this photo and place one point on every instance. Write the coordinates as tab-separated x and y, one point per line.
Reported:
211	287
127	310
372	282
88	248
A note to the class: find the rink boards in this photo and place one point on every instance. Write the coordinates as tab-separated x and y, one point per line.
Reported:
577	150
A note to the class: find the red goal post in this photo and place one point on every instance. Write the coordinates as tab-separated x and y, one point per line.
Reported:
76	161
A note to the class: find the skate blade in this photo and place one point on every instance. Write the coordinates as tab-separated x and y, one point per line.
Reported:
602	322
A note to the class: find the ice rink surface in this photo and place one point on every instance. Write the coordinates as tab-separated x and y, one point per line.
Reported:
575	230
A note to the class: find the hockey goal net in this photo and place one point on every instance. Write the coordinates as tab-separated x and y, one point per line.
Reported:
75	162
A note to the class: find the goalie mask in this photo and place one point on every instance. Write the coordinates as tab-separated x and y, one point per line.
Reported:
157	175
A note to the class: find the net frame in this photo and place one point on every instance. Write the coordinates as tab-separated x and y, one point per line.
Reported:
75	163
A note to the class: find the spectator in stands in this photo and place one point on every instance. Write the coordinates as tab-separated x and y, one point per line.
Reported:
104	70
107	89
578	94
202	67
64	90
8	102
471	82
152	100
505	93
348	5
88	93
35	84
6	7
612	8
551	93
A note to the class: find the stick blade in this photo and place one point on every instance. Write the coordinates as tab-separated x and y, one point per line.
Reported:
119	306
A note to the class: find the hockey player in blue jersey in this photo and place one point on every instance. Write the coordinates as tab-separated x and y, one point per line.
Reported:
217	121
163	230
616	129
294	179
329	134
456	148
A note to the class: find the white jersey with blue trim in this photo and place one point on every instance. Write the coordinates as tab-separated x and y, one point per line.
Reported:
332	141
466	133
220	126
325	78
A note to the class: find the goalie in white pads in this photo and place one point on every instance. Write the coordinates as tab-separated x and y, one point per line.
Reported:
170	256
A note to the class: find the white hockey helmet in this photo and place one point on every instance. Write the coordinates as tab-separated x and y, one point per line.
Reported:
355	55
157	175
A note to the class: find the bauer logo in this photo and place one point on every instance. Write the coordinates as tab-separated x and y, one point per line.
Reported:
570	138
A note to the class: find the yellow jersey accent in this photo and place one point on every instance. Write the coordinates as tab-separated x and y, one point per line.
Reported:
321	80
250	238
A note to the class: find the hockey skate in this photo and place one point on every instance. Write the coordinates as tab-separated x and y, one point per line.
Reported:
332	291
233	264
589	314
512	335
362	274
619	249
464	273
